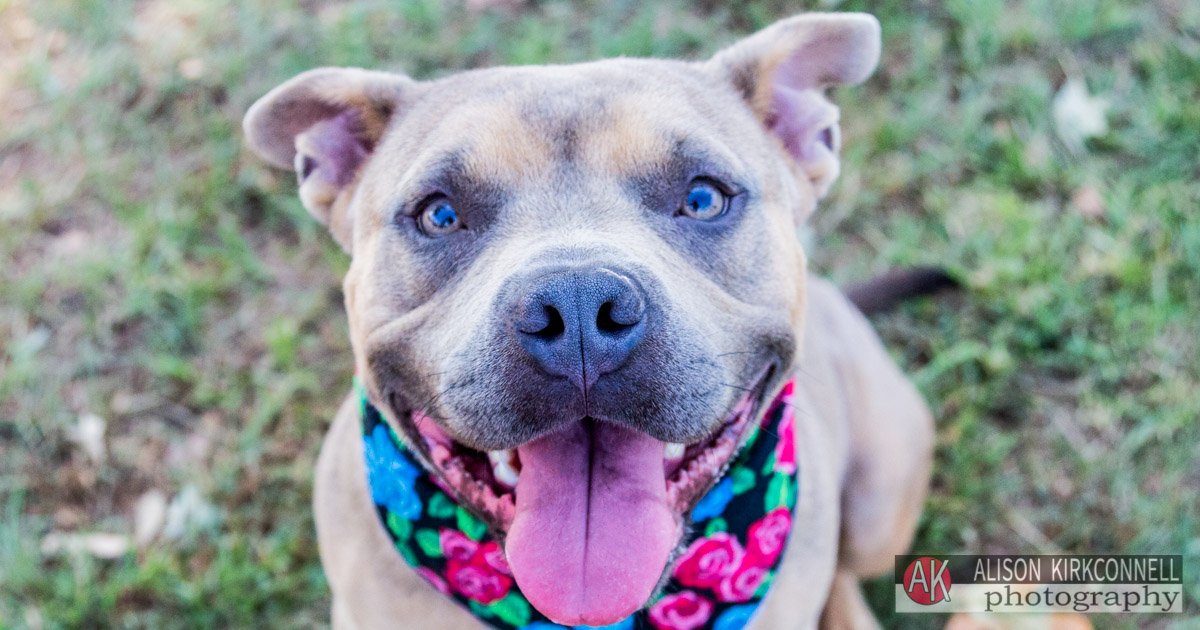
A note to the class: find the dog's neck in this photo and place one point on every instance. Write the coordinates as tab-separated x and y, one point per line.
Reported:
732	545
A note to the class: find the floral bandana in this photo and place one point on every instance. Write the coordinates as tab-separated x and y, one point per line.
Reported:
735	542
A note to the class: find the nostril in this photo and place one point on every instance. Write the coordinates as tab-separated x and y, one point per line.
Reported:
604	320
553	327
609	322
623	308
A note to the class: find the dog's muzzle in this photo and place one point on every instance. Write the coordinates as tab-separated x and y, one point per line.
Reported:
579	323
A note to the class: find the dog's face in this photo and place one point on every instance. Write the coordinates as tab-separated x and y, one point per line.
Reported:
572	287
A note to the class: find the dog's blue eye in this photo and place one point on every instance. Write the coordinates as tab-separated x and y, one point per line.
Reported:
438	218
704	201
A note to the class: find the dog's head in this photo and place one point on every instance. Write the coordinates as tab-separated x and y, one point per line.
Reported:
572	286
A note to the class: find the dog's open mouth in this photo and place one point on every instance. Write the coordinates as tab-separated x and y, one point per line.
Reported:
592	512
488	480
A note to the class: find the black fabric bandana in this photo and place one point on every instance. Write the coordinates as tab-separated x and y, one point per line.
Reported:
735	542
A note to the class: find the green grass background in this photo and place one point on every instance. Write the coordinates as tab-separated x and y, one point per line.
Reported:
156	275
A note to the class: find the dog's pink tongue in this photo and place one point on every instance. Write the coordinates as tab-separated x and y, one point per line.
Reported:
592	529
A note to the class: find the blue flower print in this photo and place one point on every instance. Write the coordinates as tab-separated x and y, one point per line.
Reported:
392	475
735	618
542	625
713	503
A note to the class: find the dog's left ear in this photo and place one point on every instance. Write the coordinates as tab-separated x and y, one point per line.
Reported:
782	70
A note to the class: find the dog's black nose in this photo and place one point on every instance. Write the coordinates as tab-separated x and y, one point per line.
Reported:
580	323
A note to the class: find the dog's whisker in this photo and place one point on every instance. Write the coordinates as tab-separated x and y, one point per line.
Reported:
734	353
424	407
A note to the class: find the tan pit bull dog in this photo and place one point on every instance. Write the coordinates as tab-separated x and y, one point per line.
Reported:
572	289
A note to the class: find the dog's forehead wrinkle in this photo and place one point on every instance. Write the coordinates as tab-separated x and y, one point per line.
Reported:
565	117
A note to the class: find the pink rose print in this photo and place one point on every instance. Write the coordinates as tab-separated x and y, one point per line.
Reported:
709	560
477	572
456	546
766	537
681	611
785	450
493	556
434	579
476	582
742	584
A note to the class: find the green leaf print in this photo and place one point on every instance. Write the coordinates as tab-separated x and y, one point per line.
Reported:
430	542
472	527
440	506
513	609
777	492
407	553
401	528
717	524
743	480
769	466
481	611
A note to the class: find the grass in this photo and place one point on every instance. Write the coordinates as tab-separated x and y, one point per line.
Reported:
157	276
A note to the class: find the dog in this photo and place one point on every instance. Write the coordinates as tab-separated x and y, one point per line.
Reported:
566	278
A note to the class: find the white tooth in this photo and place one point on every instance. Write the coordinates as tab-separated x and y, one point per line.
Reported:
673	450
505	456
502	467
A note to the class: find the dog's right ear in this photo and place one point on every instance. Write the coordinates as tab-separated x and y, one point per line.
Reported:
325	123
